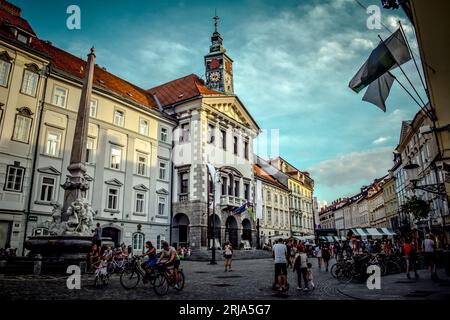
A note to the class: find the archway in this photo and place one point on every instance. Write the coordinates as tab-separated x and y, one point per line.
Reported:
180	230
113	233
247	231
214	230
231	231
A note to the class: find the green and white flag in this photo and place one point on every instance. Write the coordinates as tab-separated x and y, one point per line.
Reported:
387	55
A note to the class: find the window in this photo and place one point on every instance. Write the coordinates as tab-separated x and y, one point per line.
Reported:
90	147
138	242
140	202
143	127
116	155
47	188
246	149
268	196
29	83
184	182
161	206
14	178
59	97
141	164
93	108
22	128
40	232
52	143
4	73
247	191
162	170
235	145
275	198
211	130
113	199
158	242
163	134
269	216
119	118
22	38
184	132
224	186
224	139
236	188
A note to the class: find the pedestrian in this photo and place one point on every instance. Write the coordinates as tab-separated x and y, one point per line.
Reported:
318	255
288	248
97	237
93	257
292	253
326	255
409	252
309	276
336	250
228	255
300	266
124	251
280	256
429	248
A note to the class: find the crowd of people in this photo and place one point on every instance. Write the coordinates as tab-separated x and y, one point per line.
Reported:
297	255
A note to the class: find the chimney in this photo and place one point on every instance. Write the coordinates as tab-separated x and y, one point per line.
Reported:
10	8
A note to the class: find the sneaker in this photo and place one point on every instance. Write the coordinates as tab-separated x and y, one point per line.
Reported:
306	289
230	270
299	288
176	286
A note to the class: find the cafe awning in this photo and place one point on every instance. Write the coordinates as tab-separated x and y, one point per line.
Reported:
373	232
331	238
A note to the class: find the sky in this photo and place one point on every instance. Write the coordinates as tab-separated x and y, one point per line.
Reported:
293	60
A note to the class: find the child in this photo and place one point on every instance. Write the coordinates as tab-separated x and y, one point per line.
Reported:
309	276
108	254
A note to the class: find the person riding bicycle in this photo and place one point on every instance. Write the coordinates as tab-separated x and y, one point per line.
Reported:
150	264
168	258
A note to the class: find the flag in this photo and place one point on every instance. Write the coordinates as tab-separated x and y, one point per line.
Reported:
241	208
259	211
378	91
388	54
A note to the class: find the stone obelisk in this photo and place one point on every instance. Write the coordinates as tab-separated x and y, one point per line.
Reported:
76	185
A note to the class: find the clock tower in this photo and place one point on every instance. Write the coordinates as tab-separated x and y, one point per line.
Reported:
219	66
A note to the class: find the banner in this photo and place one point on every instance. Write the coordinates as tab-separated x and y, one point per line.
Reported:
259	209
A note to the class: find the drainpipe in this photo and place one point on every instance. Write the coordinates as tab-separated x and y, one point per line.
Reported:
35	155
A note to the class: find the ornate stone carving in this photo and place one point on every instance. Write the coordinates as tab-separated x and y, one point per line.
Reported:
80	219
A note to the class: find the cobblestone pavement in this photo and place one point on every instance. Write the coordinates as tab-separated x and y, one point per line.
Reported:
250	279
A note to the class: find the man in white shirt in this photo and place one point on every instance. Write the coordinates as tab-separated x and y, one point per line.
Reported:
429	247
280	256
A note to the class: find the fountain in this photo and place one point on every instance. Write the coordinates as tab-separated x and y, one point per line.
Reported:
72	223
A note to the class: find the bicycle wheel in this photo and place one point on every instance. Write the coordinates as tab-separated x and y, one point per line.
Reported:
346	275
180	281
161	285
111	268
129	278
334	270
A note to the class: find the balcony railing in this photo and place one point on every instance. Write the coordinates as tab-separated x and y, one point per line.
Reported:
183	197
231	201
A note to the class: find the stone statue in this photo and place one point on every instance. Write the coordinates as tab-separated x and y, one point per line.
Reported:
80	219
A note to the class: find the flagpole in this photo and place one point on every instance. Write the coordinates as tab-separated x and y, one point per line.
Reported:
414	59
409	81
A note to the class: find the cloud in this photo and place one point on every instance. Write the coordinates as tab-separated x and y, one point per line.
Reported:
380	140
355	168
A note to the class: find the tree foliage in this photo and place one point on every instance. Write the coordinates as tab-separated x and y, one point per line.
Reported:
417	207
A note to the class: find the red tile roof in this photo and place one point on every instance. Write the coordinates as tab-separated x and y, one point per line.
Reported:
74	66
263	175
15	20
181	89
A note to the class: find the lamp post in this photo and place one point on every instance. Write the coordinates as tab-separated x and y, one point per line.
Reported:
212	188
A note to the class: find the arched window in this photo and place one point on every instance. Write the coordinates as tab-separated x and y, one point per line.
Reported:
138	242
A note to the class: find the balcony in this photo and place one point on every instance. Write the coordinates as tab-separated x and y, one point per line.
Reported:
231	201
183	197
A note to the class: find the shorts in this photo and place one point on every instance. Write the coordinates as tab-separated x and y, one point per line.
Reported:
150	263
280	269
429	258
175	264
228	256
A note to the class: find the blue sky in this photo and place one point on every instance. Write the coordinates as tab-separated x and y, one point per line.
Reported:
292	64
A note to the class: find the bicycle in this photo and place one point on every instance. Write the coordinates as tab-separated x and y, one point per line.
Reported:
132	274
165	279
115	265
101	276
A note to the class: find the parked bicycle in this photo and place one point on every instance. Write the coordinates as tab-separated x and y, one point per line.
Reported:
117	264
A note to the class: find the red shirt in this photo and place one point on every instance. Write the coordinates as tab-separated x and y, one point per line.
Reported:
406	249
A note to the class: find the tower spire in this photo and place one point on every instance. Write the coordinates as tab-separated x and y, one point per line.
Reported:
216	20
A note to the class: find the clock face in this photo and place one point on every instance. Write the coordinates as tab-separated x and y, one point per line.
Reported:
214	76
